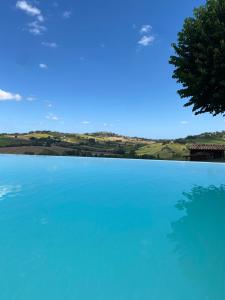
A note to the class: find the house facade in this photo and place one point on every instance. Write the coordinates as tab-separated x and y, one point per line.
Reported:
207	152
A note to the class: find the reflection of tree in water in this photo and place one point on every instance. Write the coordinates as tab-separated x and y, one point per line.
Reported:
199	237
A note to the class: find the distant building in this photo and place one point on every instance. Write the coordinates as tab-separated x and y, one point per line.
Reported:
206	152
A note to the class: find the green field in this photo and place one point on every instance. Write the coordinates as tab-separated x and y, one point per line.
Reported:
164	150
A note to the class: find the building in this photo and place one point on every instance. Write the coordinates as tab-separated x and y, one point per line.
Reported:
206	152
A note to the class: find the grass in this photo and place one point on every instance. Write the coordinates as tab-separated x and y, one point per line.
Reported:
164	150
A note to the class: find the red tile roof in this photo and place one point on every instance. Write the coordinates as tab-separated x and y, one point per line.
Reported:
212	147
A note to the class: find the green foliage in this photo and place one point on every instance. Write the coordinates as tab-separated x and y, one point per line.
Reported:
200	59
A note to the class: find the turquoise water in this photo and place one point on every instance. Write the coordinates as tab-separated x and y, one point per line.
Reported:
104	229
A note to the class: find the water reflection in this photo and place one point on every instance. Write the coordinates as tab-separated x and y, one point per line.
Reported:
199	238
6	190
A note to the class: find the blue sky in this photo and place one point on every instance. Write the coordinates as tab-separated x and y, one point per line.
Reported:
91	65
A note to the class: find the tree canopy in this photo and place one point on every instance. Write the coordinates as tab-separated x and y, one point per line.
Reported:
199	59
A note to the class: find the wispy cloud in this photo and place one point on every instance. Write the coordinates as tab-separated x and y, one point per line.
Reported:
50	44
52	117
48	103
184	122
43	66
67	14
147	38
5	96
85	122
36	27
107	125
145	29
31	98
28	8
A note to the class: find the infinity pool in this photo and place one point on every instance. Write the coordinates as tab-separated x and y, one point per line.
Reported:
107	229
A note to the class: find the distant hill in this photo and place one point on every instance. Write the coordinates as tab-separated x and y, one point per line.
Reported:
103	144
205	138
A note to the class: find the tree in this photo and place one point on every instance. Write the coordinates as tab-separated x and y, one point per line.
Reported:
199	59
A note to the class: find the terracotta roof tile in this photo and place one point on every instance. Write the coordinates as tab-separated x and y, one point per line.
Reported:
209	147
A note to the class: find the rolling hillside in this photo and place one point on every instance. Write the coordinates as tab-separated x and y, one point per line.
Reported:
102	144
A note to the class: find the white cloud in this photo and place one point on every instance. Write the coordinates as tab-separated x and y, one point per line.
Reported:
52	117
50	45
67	14
146	37
146	40
85	122
145	29
48	103
27	8
5	96
40	18
43	66
36	28
31	98
184	122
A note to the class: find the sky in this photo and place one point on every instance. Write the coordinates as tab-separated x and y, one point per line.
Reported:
94	65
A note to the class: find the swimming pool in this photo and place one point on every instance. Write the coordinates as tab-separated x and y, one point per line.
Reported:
108	229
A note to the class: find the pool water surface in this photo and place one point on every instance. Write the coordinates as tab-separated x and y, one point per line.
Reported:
110	229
